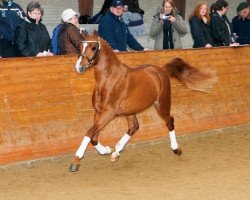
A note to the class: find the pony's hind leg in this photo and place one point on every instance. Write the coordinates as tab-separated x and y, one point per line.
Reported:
164	112
173	142
132	127
103	150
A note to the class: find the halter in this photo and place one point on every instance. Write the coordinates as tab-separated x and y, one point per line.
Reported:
90	61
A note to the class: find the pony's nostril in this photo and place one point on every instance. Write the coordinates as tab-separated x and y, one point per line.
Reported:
82	69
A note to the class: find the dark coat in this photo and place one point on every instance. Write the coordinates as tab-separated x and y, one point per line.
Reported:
201	32
32	38
10	18
220	32
116	33
242	29
69	39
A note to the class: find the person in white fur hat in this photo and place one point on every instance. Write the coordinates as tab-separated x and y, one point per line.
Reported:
69	36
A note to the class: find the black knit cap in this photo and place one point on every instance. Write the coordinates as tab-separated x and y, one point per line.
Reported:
242	6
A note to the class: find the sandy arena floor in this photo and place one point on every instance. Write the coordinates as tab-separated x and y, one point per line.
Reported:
212	167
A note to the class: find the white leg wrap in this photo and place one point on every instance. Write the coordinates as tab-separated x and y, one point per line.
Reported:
102	150
80	152
120	145
173	142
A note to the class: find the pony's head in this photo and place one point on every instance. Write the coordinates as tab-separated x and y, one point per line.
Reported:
89	52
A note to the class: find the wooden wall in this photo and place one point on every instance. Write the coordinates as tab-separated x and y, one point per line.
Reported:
45	106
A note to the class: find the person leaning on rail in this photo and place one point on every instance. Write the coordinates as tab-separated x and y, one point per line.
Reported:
11	15
241	23
113	29
31	36
221	27
200	26
69	36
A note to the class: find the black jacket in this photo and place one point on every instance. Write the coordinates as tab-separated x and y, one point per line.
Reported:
220	31
32	38
10	18
201	32
242	29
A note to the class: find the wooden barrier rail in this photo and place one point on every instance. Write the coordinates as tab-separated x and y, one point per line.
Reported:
45	106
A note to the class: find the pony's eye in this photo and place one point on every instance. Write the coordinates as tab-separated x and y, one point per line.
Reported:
93	48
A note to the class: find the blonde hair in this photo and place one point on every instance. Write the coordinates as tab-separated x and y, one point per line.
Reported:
171	2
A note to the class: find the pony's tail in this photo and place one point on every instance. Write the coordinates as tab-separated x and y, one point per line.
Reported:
196	79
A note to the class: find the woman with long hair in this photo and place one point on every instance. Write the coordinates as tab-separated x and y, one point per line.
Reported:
167	27
200	26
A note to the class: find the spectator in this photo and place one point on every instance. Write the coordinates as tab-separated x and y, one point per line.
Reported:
133	17
11	15
113	29
105	8
70	37
167	27
221	27
55	33
31	36
241	23
200	26
212	8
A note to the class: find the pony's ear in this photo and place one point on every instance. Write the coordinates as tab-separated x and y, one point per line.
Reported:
95	33
83	34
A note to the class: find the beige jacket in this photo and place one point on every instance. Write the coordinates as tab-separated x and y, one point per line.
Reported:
179	29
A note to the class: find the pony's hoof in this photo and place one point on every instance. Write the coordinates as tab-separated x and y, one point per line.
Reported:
75	164
114	156
74	167
178	151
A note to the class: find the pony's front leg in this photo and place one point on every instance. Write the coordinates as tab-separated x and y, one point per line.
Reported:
103	150
98	125
75	164
133	126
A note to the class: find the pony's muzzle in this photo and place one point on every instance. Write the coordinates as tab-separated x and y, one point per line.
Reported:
81	69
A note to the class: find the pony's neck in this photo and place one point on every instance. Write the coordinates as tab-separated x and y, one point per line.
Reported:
108	62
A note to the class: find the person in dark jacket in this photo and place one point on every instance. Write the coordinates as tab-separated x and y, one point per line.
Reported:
241	23
31	36
200	26
221	27
69	36
11	15
105	8
133	17
113	29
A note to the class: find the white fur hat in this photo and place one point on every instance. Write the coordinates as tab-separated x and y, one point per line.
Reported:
68	14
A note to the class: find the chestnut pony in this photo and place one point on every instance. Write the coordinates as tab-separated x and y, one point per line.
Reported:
123	91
